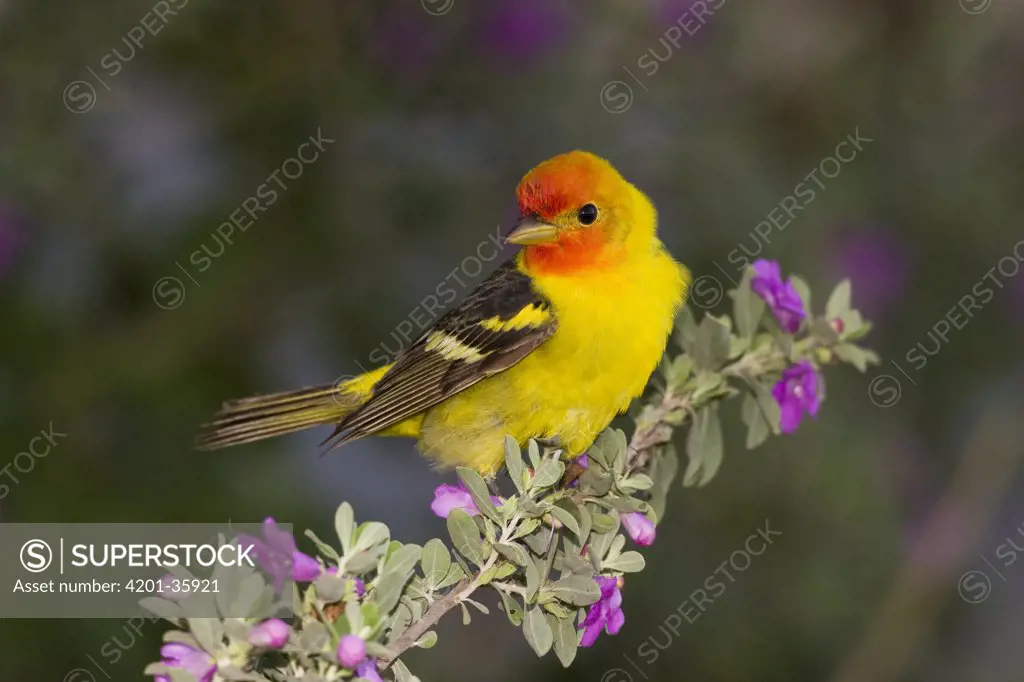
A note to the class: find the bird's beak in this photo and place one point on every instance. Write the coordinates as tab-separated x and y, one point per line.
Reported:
532	231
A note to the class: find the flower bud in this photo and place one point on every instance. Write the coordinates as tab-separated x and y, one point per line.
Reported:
639	527
351	651
270	634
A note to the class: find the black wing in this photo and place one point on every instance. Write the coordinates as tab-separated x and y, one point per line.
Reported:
495	327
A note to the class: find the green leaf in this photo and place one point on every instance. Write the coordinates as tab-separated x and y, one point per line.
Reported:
533	450
757	428
548	473
370	534
344	525
707	384
686	328
823	330
466	536
364	561
839	300
513	552
622	504
664	468
603	450
711	349
615	548
525	527
330	588
403	559
324	548
678	371
514	463
621	448
748	307
209	632
604	523
566	639
533	580
479	607
435	561
855	355
389	591
402	673
627	562
354	616
566	519
427	641
704	448
511	608
636	482
576	590
477	488
455	574
803	290
556	609
581	521
537	631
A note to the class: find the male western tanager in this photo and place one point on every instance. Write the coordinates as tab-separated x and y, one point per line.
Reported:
552	345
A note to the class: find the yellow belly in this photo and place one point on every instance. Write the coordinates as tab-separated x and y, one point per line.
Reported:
612	331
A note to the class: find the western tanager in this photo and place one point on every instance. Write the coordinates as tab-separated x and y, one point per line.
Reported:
555	343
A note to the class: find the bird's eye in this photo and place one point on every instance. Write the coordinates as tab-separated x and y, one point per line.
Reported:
587	214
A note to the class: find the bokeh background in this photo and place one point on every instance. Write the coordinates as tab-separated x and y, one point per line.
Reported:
119	159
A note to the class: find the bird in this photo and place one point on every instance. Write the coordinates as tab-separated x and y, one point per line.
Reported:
555	343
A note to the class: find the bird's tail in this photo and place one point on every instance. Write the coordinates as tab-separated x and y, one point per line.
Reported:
264	416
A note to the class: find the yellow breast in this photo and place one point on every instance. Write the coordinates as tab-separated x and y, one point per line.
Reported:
612	330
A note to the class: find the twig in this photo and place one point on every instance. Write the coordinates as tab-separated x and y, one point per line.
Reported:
460	591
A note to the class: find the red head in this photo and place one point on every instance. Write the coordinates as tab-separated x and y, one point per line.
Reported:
578	213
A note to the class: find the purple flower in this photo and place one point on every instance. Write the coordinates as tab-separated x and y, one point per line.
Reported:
606	613
270	634
368	670
448	497
522	29
351	651
197	663
276	554
796	393
780	296
639	527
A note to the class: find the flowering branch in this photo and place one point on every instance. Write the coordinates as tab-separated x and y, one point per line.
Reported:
551	551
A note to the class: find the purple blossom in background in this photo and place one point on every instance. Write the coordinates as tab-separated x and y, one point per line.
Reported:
522	29
277	555
197	663
351	651
604	614
780	296
448	497
878	263
368	670
797	393
270	634
639	527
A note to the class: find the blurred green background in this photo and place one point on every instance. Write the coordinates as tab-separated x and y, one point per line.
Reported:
128	134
